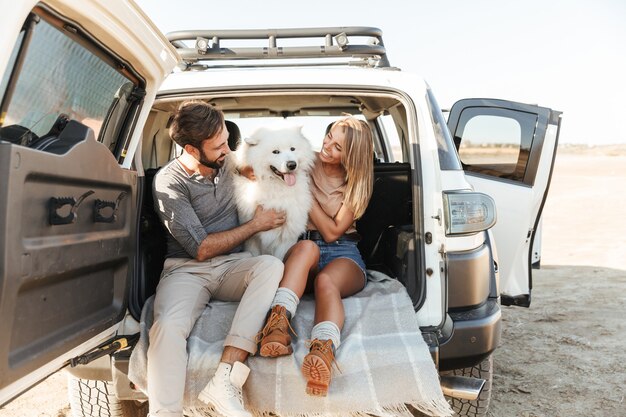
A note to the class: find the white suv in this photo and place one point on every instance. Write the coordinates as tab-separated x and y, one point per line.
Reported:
84	126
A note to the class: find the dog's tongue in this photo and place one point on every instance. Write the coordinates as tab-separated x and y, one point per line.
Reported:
290	179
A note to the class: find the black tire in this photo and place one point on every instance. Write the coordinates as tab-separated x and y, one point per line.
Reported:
92	398
479	406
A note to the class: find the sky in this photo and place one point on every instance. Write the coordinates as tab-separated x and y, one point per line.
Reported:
569	55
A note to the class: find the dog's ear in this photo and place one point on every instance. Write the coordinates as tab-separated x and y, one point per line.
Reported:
299	131
251	141
295	131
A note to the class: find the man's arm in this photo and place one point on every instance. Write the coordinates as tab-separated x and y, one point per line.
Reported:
222	242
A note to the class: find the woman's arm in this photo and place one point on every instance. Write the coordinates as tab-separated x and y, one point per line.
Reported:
331	229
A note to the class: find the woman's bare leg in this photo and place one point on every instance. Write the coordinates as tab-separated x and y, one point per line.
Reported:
299	261
339	279
275	336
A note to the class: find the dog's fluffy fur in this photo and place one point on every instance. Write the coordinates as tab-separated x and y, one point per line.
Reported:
281	159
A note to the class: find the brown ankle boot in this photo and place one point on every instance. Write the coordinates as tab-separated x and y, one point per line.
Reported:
275	338
316	367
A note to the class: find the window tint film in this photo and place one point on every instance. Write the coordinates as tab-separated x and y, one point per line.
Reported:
60	81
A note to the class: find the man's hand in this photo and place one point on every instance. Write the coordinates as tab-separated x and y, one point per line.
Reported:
219	243
268	219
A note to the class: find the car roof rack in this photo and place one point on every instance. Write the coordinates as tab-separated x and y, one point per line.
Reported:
331	46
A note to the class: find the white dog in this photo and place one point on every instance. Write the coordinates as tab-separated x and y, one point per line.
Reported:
281	159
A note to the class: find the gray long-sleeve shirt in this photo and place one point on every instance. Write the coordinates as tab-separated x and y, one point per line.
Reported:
192	206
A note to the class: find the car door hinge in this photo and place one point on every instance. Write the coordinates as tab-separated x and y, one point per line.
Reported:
107	348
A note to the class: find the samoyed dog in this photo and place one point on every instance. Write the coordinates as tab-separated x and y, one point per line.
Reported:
281	158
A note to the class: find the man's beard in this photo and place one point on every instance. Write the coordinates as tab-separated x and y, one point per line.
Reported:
211	164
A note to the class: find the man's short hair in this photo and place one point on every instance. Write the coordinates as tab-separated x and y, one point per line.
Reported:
195	121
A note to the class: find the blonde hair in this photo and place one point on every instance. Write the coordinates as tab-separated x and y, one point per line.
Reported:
358	161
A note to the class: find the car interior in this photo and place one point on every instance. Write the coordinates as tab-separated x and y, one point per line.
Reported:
387	227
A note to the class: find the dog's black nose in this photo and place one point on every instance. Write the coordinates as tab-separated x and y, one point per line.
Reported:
291	165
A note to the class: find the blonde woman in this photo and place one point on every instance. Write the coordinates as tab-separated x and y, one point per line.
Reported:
327	255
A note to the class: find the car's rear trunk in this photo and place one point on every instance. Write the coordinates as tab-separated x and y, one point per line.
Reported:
389	242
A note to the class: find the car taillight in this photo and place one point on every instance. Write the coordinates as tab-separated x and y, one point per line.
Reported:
468	212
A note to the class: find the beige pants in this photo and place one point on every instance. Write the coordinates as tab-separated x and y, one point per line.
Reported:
185	288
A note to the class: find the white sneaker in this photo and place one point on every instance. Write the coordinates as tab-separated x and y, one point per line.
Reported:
224	390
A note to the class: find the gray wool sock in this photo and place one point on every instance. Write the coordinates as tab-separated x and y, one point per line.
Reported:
286	298
327	330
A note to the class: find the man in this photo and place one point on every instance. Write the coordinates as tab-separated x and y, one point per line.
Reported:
194	198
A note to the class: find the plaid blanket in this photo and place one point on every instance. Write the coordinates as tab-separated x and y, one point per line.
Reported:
384	362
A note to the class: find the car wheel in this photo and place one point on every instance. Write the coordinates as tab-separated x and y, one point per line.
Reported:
93	398
479	406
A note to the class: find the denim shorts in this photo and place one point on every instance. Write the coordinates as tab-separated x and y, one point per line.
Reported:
340	249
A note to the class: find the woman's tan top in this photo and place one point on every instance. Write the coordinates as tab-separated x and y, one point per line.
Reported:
328	191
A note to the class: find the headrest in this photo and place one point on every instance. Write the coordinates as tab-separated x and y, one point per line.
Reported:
234	135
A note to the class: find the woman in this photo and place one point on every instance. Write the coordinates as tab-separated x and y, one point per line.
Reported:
328	256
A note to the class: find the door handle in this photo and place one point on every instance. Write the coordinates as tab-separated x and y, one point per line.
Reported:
99	205
56	203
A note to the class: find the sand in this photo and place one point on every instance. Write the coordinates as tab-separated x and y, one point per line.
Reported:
565	355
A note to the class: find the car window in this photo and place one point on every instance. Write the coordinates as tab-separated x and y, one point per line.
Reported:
11	64
496	141
59	80
313	128
448	157
392	137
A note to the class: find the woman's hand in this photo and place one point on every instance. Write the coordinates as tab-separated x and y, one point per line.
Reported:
247	172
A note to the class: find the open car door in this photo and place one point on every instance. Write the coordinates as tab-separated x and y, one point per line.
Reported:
77	81
507	150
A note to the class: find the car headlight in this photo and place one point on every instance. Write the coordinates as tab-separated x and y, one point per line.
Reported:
468	212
